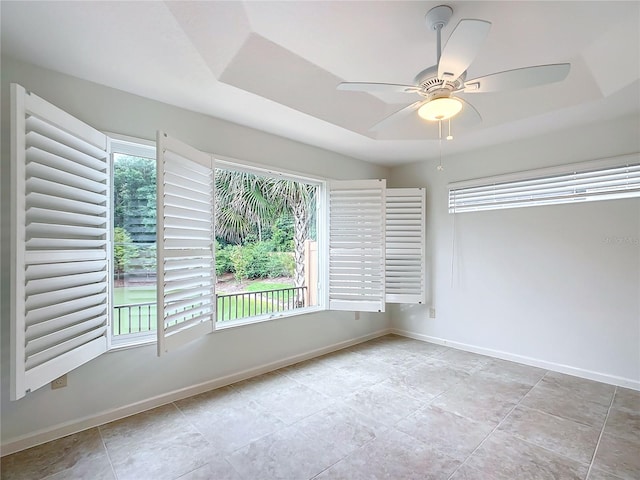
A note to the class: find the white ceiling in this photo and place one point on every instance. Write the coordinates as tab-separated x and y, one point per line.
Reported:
274	66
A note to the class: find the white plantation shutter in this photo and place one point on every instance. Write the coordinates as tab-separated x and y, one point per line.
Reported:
60	242
357	245
405	245
186	248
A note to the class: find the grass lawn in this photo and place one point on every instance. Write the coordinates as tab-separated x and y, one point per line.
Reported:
259	285
135	319
143	318
231	308
134	295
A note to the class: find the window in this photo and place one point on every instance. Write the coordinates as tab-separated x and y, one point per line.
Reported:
133	201
266	243
78	258
612	178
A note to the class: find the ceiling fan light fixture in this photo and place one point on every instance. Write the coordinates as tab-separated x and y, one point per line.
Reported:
441	108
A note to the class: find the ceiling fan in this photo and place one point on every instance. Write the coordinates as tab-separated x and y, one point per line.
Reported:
440	85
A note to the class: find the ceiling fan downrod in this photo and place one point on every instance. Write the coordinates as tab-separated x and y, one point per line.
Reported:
436	19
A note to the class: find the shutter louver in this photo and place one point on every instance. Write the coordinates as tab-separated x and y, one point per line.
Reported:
357	245
589	181
60	242
405	245
186	268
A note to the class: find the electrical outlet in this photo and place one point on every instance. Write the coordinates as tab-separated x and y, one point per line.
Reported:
357	316
59	382
432	313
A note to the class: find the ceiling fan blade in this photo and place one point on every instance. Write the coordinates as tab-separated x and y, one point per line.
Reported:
377	87
471	109
394	117
462	48
518	78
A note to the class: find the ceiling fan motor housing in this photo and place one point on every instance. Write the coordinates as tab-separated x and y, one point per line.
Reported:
433	87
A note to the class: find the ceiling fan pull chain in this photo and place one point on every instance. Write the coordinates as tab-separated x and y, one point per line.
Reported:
440	167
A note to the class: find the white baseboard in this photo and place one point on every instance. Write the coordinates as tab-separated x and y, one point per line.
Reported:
78	425
534	362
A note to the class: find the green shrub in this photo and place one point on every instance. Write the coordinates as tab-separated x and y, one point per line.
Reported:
240	260
123	250
258	260
224	263
282	233
286	264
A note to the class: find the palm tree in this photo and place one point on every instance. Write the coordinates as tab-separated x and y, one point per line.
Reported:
247	202
241	205
296	197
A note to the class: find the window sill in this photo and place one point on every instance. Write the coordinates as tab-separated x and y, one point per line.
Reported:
118	344
146	340
266	318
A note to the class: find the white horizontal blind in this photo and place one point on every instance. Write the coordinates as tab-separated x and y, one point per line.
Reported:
405	245
186	249
357	245
601	180
60	242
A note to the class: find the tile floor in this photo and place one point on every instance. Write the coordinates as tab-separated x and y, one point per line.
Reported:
391	408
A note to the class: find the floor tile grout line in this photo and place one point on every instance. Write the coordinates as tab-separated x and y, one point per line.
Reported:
604	424
343	456
338	399
495	428
542	411
540	446
195	427
224	454
341	399
545	448
189	422
560	417
104	444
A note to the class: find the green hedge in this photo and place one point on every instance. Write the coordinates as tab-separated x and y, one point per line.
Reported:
255	260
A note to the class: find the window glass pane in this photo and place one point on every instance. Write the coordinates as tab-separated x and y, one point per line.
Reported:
266	244
134	244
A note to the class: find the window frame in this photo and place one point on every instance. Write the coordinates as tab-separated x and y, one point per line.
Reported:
137	147
229	163
134	146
